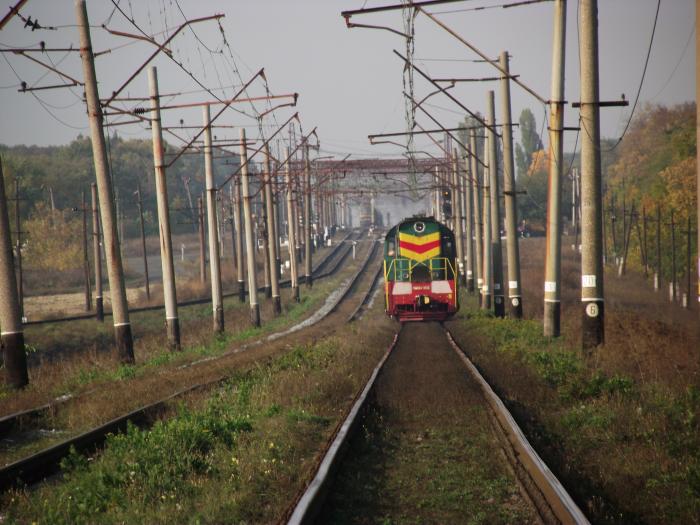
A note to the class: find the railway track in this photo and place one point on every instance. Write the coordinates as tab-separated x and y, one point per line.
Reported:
420	382
38	466
319	272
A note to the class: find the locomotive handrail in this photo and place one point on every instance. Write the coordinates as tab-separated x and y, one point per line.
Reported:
397	263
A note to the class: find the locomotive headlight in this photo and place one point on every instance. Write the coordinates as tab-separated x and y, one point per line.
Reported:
391	253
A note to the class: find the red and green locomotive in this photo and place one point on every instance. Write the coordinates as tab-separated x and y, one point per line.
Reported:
420	280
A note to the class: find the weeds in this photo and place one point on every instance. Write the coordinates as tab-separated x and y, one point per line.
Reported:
237	455
628	449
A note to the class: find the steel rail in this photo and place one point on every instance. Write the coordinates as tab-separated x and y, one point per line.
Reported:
354	315
309	504
37	467
560	507
556	496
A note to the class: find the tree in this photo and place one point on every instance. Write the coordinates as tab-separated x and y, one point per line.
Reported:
529	141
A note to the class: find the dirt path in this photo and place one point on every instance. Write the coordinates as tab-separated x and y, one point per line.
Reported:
427	453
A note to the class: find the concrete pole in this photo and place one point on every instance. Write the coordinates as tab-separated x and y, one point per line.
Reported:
657	272
291	232
457	199
231	219
188	192
143	243
202	241
478	217
217	302
592	294
688	266
515	300
552	268
97	255
249	241
436	197
486	267
120	309
11	332
297	214
272	243
238	224
18	251
469	224
277	206
307	220
172	323
697	134
263	232
86	257
499	306
674	277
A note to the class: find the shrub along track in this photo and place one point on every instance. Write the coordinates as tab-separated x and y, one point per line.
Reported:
433	448
201	375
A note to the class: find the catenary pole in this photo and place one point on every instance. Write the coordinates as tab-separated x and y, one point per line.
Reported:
307	219
97	255
486	267
115	272
494	195
143	242
18	250
271	243
515	300
292	238
457	199
172	322
478	217
217	303
697	152
11	332
552	268
86	256
238	224
592	293
202	241
249	241
468	210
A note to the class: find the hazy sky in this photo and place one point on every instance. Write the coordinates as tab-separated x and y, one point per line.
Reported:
349	81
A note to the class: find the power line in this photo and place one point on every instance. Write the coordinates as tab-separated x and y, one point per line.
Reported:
641	82
668	80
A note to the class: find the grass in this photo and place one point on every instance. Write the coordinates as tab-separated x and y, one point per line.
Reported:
72	356
237	454
626	445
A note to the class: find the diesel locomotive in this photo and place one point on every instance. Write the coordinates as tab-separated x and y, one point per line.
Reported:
420	271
